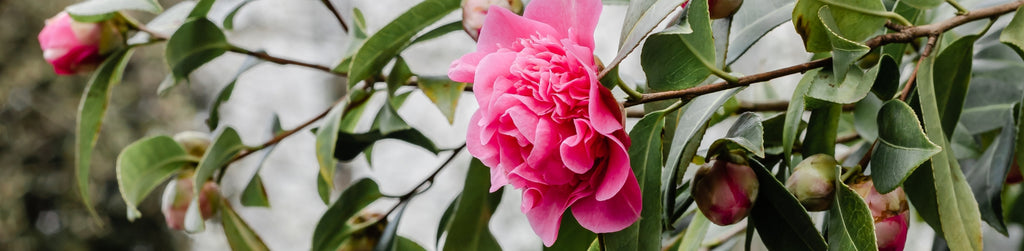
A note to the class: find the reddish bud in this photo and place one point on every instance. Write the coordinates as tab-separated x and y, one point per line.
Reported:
178	196
813	182
474	12
725	189
75	47
890	214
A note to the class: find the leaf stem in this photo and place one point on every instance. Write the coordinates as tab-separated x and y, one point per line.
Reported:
960	10
858	9
633	94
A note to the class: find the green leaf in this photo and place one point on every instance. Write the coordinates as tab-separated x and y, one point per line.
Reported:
240	236
143	165
1013	34
844	51
356	38
865	115
645	160
229	20
255	194
571	236
887	82
987	174
387	125
781	221
695	232
753	21
400	74
852	25
690	48
202	8
444	93
91	109
405	244
987	99
850	224
388	239
378	50
902	146
446	219
952	78
794	115
225	93
747	134
195	43
326	143
773	129
822	130
642	16
923	4
473	209
332	229
217	156
99	10
957	209
438	32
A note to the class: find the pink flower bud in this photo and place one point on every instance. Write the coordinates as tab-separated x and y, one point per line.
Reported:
194	143
890	214
474	11
813	182
721	8
178	196
73	47
725	189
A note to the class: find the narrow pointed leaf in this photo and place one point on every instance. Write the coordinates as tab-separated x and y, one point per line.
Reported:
850	224
987	174
326	142
468	229
240	236
225	93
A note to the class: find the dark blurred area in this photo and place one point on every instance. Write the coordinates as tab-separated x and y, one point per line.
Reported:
39	204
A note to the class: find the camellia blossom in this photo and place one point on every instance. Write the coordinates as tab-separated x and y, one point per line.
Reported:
545	125
73	47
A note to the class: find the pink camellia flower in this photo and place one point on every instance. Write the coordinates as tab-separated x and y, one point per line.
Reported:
73	47
890	214
545	124
178	195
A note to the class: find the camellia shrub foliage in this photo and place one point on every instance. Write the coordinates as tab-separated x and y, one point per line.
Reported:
925	96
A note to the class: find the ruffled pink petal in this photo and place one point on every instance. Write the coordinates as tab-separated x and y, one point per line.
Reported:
605	115
476	142
490	69
464	68
616	173
577	19
611	215
575	151
502	28
544	210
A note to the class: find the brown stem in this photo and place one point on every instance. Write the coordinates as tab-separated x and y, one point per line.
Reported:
283	61
285	134
336	14
904	36
913	76
430	179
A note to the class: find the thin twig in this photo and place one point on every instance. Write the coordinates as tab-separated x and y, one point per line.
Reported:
430	179
285	134
283	61
913	76
905	36
336	14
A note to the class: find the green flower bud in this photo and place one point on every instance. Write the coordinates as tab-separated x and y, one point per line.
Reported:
813	182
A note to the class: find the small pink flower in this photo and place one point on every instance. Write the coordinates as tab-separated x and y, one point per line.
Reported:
890	214
73	47
545	125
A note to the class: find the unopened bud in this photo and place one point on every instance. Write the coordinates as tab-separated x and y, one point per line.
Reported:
474	12
721	8
178	196
194	143
813	182
78	47
889	212
725	189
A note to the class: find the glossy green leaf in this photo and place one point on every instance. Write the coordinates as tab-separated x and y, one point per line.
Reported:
225	93
223	148
987	174
645	159
690	48
195	43
747	134
326	143
1013	35
887	82
794	115
753	21
852	25
378	50
952	78
240	236
468	228
571	236
405	244
902	146
202	8
695	233
957	209
333	227
844	51
99	10
143	165
91	109
850	224
642	16
387	125
781	221
229	20
444	93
